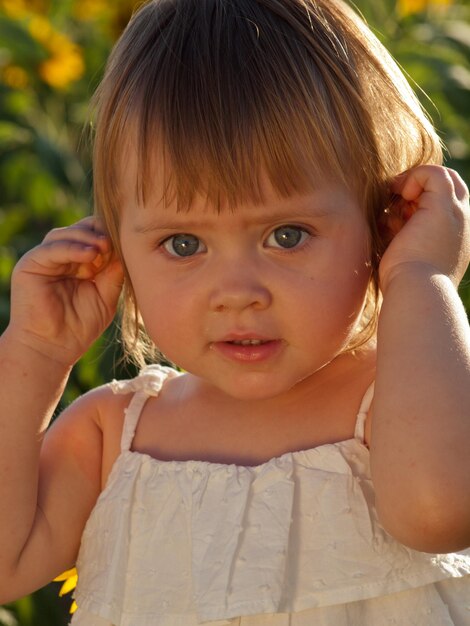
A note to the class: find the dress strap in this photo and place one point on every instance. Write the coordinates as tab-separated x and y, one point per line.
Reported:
148	383
131	419
359	431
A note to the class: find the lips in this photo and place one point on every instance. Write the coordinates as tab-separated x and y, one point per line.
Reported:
249	342
247	349
245	338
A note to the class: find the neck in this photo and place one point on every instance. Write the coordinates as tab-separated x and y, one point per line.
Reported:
315	390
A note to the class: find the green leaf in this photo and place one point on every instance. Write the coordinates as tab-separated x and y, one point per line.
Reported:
22	48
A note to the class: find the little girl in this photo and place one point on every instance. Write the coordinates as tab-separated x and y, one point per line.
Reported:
311	465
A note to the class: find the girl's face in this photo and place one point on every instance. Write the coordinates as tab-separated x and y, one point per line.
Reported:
253	300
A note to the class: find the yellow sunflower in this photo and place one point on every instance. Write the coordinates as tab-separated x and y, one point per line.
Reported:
65	64
21	8
69	580
407	7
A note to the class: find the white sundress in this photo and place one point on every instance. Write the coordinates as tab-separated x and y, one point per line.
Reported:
294	541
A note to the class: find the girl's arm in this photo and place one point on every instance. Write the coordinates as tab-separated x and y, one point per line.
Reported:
64	295
420	433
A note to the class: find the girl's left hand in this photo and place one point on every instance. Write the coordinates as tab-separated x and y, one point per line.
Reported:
429	223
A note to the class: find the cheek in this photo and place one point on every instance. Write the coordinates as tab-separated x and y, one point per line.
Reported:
353	258
341	287
162	304
353	283
346	257
166	313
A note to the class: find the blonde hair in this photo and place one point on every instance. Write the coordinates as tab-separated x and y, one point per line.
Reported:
220	90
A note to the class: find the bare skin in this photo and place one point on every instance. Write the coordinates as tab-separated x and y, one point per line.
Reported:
64	294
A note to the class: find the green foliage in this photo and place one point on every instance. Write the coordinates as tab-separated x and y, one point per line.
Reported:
42	608
52	54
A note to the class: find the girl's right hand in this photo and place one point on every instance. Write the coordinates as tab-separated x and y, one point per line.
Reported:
65	291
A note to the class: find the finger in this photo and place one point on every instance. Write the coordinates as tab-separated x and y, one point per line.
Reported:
101	247
76	232
461	189
62	258
424	178
92	222
84	238
89	230
90	225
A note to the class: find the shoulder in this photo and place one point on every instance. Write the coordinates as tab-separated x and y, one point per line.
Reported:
84	431
109	410
81	419
92	410
106	407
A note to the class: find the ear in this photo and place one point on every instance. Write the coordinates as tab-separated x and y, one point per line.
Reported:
394	217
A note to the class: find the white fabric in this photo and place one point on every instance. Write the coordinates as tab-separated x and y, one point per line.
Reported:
294	541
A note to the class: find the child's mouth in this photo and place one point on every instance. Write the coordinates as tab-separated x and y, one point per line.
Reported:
248	350
248	342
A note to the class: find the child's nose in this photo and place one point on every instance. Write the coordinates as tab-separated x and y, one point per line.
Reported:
239	288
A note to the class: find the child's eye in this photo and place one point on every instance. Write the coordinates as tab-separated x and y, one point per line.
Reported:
183	245
287	236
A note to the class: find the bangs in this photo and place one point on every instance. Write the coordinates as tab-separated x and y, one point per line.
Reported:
218	95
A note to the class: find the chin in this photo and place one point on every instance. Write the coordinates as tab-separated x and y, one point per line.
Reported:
254	388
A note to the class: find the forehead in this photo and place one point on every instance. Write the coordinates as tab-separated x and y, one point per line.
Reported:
328	199
158	195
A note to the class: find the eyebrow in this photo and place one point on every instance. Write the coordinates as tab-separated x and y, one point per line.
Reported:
287	216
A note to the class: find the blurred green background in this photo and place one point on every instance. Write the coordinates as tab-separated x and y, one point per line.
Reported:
52	54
